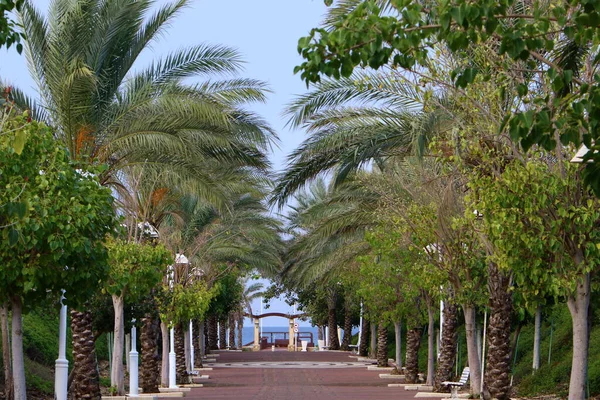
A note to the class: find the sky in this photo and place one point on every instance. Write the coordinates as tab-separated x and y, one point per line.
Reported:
265	32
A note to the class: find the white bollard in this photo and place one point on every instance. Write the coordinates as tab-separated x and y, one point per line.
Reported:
172	363
61	377
133	365
192	347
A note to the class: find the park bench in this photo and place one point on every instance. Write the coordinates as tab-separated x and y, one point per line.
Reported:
454	386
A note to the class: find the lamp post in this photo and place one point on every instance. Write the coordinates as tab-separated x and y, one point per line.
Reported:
133	364
61	376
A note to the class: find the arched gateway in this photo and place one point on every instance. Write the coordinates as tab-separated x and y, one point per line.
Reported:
256	318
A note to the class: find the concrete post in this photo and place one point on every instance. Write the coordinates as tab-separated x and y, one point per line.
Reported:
172	362
291	335
256	346
61	377
191	347
133	365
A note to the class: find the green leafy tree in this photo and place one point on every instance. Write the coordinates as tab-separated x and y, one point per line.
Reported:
136	268
555	42
54	220
9	34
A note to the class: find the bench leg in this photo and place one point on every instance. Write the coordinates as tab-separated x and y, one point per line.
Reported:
454	392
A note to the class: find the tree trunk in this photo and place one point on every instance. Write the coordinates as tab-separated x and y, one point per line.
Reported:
382	345
334	342
537	338
231	340
149	365
430	344
497	374
223	333
199	339
398	332
347	327
85	376
579	305
117	378
445	367
213	333
413	342
6	359
164	363
373	337
320	333
472	352
182	377
240	330
18	364
187	346
363	347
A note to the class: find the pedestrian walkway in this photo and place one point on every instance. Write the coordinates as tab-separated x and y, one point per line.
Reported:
282	375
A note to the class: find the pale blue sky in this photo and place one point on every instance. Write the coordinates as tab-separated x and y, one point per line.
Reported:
266	32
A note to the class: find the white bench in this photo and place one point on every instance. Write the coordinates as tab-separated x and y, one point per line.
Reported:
454	386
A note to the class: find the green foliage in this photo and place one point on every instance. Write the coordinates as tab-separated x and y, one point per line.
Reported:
8	34
553	45
533	217
54	217
135	268
192	302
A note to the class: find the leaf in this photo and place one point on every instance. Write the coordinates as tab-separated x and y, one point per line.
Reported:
19	143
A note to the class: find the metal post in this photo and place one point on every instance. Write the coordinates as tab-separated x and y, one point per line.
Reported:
133	364
61	377
172	362
483	351
360	324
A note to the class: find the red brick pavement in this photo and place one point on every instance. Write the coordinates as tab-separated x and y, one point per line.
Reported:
350	383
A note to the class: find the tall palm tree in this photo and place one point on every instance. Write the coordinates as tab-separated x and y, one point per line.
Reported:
108	109
251	292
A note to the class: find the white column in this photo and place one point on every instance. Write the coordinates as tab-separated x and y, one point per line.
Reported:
191	347
441	328
360	332
61	376
133	365
172	361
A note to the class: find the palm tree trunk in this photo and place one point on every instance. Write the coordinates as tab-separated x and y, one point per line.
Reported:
6	359
240	330
334	342
231	330
472	351
413	342
164	364
149	365
363	347
117	377
213	333
18	362
199	339
430	343
445	366
347	326
497	374
86	380
382	345
223	333
182	377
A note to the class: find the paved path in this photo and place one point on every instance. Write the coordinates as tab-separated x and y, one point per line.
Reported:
281	375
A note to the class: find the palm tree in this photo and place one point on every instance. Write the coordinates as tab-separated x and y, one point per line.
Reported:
108	110
251	292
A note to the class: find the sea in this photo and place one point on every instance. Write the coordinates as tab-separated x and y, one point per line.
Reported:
278	331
